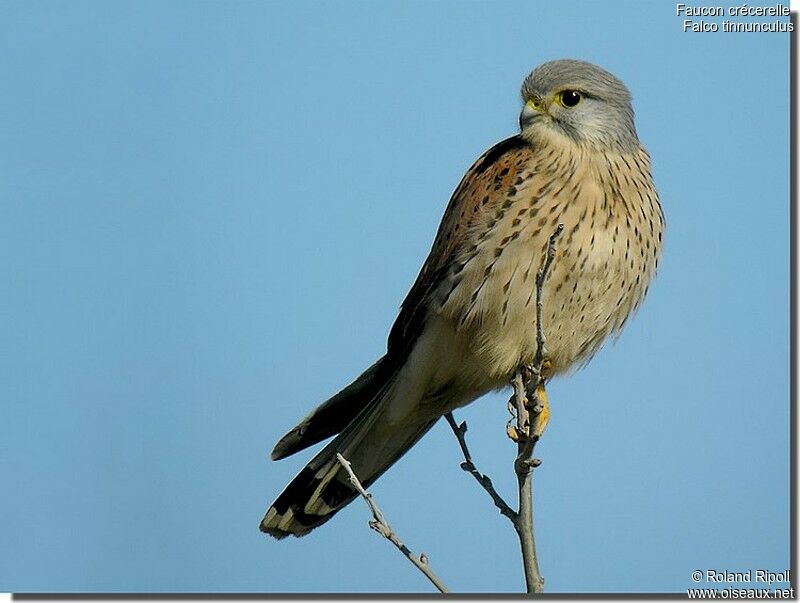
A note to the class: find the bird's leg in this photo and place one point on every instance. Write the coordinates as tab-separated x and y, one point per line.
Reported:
514	428
540	413
530	411
518	427
535	378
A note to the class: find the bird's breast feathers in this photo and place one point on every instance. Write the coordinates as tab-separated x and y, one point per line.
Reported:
605	257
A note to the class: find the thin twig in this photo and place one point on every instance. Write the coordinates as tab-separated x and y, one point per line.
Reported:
528	381
468	466
380	525
523	467
541	276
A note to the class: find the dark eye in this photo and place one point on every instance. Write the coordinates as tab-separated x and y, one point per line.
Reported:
570	98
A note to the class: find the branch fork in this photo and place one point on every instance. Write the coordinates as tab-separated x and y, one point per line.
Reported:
528	407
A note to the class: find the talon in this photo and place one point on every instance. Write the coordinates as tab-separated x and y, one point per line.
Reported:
527	372
513	433
542	417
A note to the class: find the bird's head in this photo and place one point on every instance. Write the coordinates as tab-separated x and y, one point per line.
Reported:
580	101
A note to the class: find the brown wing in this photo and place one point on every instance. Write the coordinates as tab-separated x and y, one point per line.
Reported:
484	185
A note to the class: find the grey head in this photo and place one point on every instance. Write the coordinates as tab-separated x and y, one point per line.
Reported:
581	101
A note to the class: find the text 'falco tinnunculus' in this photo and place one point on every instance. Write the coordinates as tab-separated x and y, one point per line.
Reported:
469	320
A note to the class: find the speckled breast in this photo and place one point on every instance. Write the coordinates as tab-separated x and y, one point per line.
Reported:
605	258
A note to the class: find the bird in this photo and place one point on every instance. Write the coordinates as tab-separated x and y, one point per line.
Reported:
469	320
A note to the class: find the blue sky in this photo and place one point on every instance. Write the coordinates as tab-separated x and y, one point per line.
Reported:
209	215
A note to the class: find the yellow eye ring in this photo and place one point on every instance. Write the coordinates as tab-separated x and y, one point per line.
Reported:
570	98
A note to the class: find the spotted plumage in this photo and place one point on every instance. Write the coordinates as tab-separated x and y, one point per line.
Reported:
469	320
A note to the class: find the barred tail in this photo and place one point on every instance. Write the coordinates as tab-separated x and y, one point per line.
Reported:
322	487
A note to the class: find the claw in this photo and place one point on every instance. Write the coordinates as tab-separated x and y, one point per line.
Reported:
527	372
542	416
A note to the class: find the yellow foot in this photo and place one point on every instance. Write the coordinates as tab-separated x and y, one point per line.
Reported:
541	419
512	432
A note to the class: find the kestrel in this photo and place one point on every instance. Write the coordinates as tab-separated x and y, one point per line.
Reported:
469	320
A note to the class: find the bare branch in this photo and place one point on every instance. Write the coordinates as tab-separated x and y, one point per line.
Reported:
541	276
380	525
528	383
468	466
528	402
523	467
